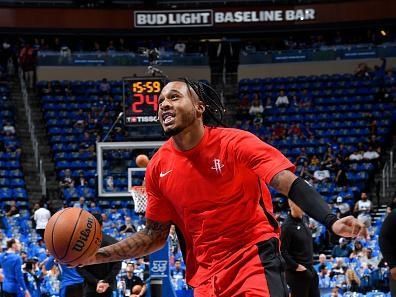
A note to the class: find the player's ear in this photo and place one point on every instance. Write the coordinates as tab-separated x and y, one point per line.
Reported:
200	107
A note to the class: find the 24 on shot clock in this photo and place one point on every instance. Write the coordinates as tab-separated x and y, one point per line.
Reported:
141	100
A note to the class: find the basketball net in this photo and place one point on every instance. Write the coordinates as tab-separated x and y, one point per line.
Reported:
139	196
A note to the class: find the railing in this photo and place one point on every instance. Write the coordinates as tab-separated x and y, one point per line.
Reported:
387	173
33	138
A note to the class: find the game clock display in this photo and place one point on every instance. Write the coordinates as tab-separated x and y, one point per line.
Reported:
141	100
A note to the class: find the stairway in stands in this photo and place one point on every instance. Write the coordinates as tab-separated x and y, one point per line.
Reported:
32	175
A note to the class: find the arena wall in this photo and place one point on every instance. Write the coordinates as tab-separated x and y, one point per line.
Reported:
116	73
306	68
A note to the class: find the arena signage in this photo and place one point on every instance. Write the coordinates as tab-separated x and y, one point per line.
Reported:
208	18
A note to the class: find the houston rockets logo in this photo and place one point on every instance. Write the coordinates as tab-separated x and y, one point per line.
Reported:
217	165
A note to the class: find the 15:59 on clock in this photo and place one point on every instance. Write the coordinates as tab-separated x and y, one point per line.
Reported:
141	100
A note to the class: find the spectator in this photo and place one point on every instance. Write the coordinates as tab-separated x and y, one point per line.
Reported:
31	278
41	217
178	276
100	279
8	129
180	47
67	181
305	99
28	61
387	243
362	70
315	160
111	48
392	204
71	282
256	108
131	284
81	203
356	156
321	175
334	292
11	209
322	261
363	208
106	223
341	250
357	250
324	278
370	154
352	280
339	268
341	179
282	100
115	215
11	262
128	227
104	87
302	157
368	258
81	181
93	208
342	207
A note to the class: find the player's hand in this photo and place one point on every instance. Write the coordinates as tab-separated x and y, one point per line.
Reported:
102	287
349	227
393	273
301	268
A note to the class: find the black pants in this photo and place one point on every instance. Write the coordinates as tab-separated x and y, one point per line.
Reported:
303	283
40	232
5	294
74	290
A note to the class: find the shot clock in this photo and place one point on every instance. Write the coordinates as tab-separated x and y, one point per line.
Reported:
141	100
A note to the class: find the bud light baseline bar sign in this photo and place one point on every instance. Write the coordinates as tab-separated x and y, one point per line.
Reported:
210	18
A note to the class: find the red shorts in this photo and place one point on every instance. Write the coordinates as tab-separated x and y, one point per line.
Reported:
260	272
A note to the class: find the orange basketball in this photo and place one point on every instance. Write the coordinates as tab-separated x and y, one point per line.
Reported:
72	234
137	289
142	161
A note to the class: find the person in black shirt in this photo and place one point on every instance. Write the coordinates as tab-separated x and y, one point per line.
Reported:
100	279
128	227
387	243
132	285
297	249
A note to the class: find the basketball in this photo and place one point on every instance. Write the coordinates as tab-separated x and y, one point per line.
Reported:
72	234
142	161
137	289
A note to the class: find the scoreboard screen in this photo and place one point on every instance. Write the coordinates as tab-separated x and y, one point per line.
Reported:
141	100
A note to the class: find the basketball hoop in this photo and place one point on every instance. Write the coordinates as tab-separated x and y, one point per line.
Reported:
139	196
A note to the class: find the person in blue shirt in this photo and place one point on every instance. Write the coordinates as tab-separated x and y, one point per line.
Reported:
11	262
31	278
71	282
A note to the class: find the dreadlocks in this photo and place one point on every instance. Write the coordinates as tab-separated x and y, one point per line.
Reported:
214	108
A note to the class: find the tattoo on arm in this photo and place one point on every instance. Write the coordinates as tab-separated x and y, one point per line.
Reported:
144	242
282	181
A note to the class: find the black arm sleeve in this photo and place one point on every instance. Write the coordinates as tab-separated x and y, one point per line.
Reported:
285	246
387	241
311	202
87	275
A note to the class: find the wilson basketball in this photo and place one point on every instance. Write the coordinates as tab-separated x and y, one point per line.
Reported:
72	234
142	161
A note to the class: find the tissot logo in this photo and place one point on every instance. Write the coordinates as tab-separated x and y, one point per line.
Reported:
174	18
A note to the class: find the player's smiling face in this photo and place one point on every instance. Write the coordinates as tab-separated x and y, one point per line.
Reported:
178	108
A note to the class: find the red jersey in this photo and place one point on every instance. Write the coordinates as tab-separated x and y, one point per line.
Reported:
216	195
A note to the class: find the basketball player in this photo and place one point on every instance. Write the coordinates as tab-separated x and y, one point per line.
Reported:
211	183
